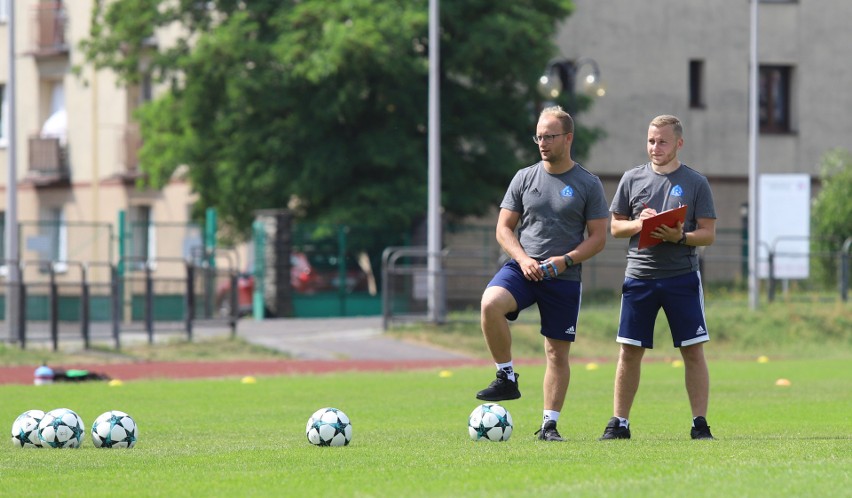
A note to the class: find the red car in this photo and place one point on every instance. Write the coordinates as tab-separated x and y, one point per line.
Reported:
305	278
302	277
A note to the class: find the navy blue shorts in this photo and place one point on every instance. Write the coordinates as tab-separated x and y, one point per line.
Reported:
558	300
680	297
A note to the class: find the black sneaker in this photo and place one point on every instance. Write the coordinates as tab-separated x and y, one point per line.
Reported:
548	432
501	389
615	431
700	429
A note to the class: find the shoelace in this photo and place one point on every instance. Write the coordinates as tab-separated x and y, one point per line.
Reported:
546	431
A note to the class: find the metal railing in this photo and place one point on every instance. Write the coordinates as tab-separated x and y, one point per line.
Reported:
50	22
60	302
48	161
465	274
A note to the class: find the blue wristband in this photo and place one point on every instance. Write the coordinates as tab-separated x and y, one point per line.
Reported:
545	267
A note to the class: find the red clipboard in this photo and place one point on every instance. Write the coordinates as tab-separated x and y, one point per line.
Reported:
668	218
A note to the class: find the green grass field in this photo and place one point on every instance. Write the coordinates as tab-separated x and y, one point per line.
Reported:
816	329
224	438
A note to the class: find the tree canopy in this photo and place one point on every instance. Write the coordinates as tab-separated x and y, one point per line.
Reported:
832	208
322	106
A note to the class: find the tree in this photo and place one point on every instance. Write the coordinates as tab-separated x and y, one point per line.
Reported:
832	208
322	106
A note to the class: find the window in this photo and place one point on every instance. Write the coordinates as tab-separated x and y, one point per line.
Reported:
147	90
56	125
774	104
696	84
4	11
193	242
142	237
53	238
4	116
3	269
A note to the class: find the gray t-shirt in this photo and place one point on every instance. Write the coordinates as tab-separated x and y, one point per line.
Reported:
554	210
663	192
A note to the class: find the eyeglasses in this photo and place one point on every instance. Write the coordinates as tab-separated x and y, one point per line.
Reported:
546	139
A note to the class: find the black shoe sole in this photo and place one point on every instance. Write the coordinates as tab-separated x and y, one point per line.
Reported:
496	398
613	437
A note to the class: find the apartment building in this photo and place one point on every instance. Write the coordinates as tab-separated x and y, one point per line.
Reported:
691	59
76	148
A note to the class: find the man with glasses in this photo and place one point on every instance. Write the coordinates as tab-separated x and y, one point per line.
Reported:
552	204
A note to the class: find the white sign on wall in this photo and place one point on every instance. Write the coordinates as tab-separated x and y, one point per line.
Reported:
784	225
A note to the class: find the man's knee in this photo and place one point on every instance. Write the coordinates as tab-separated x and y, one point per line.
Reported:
631	353
557	351
693	353
496	300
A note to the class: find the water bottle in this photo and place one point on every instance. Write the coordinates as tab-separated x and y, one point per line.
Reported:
43	375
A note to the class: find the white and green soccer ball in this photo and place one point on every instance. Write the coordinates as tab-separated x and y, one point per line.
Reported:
114	429
490	421
329	427
61	428
25	429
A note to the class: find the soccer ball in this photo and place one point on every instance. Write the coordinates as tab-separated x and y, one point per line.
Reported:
114	429
25	429
329	427
491	422
61	428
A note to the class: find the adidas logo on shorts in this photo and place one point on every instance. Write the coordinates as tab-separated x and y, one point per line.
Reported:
570	331
700	331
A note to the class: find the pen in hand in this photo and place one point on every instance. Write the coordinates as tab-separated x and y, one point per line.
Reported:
651	211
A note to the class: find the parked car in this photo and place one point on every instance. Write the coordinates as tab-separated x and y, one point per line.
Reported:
327	270
308	275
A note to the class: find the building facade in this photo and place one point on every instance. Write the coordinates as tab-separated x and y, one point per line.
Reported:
76	148
691	59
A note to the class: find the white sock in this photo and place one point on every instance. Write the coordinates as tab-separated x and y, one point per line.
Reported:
623	422
508	368
549	415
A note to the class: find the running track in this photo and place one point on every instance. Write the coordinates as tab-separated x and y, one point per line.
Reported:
198	369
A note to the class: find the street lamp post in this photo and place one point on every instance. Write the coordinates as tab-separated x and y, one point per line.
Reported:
561	76
10	227
437	295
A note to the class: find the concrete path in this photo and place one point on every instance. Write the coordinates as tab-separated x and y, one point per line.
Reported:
350	338
355	338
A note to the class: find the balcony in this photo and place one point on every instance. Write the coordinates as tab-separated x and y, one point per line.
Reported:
50	23
48	163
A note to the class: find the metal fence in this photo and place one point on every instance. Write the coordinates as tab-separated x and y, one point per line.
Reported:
86	303
465	272
136	298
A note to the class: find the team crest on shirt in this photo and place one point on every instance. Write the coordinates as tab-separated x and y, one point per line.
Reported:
677	191
567	191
